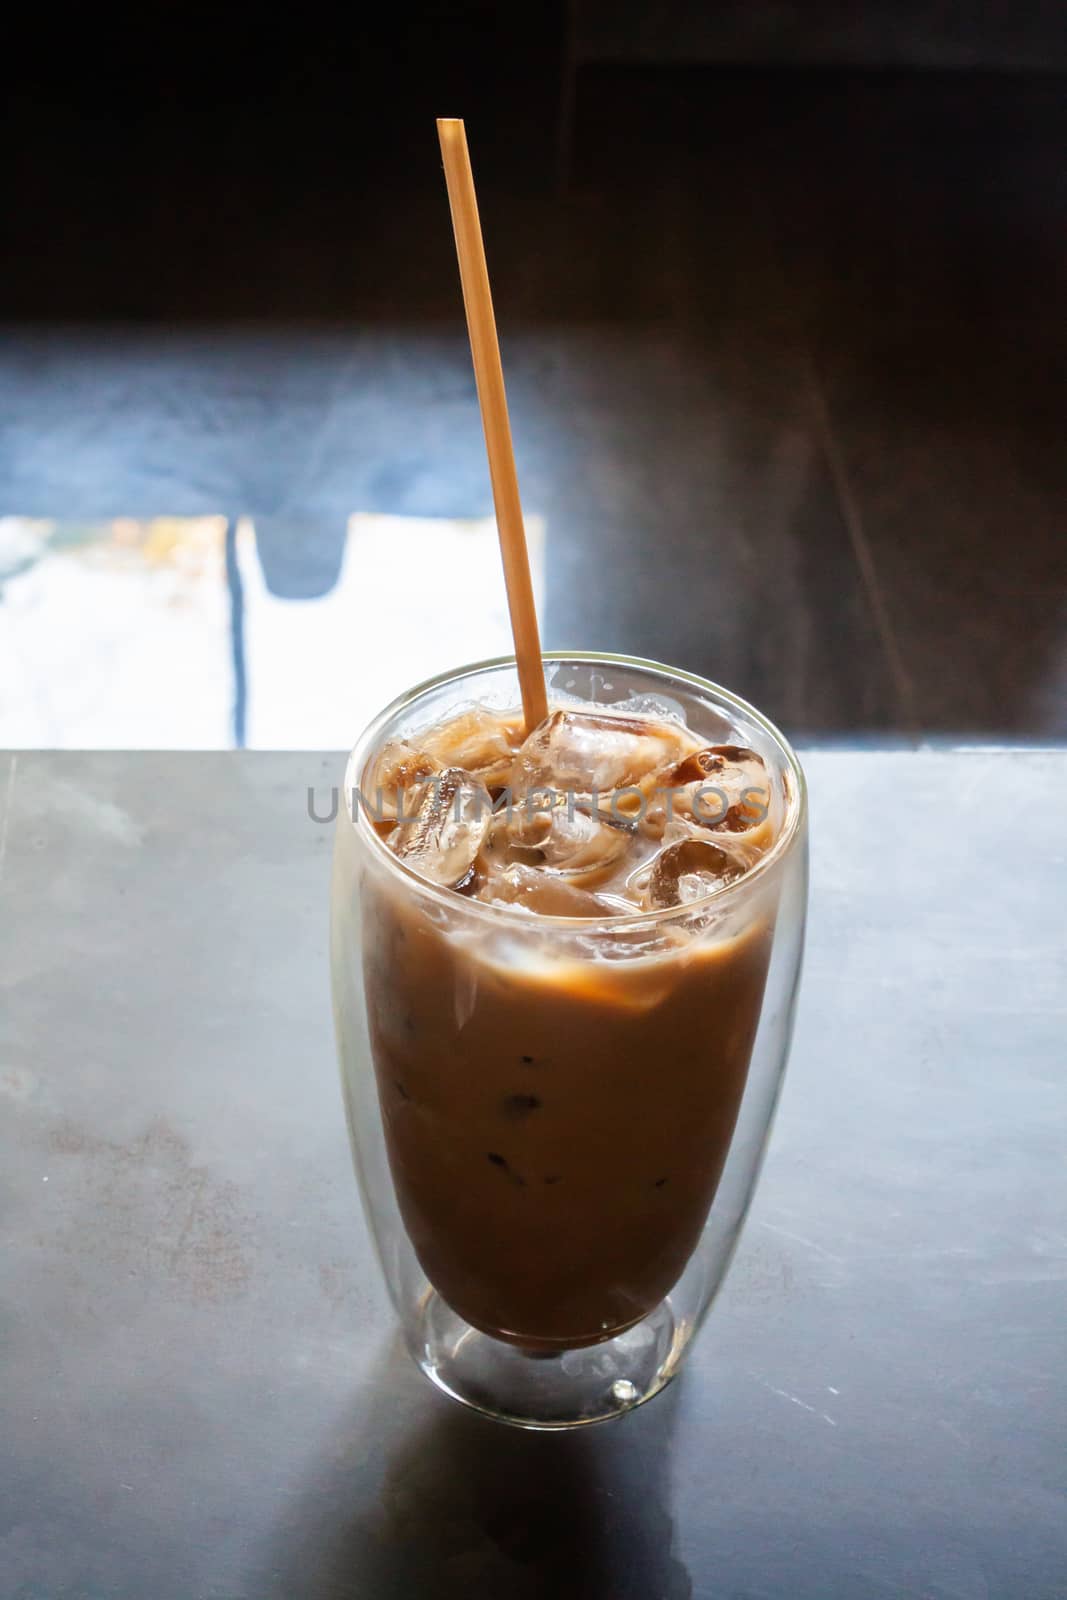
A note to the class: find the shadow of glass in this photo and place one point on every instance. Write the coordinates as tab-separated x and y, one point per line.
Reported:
418	1496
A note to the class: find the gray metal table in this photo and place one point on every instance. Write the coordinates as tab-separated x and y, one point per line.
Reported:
202	1392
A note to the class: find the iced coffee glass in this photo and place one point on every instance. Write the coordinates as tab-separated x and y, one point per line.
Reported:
557	1121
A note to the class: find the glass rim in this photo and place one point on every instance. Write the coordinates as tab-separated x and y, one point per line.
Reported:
511	916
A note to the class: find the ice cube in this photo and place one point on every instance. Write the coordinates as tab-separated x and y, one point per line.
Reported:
723	787
688	870
395	777
562	835
481	742
548	894
442	834
583	751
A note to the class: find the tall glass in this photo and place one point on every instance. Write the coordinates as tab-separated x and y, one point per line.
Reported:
557	1123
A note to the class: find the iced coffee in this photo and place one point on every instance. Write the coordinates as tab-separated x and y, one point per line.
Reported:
560	1067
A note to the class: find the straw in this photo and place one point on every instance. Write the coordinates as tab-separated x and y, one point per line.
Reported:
489	377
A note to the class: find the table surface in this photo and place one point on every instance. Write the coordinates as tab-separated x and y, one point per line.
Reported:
203	1392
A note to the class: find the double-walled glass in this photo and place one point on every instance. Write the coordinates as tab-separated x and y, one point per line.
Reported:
557	1123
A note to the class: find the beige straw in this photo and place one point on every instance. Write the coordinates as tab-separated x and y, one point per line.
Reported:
489	376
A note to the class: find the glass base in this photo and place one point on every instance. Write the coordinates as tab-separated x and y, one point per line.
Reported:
565	1389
